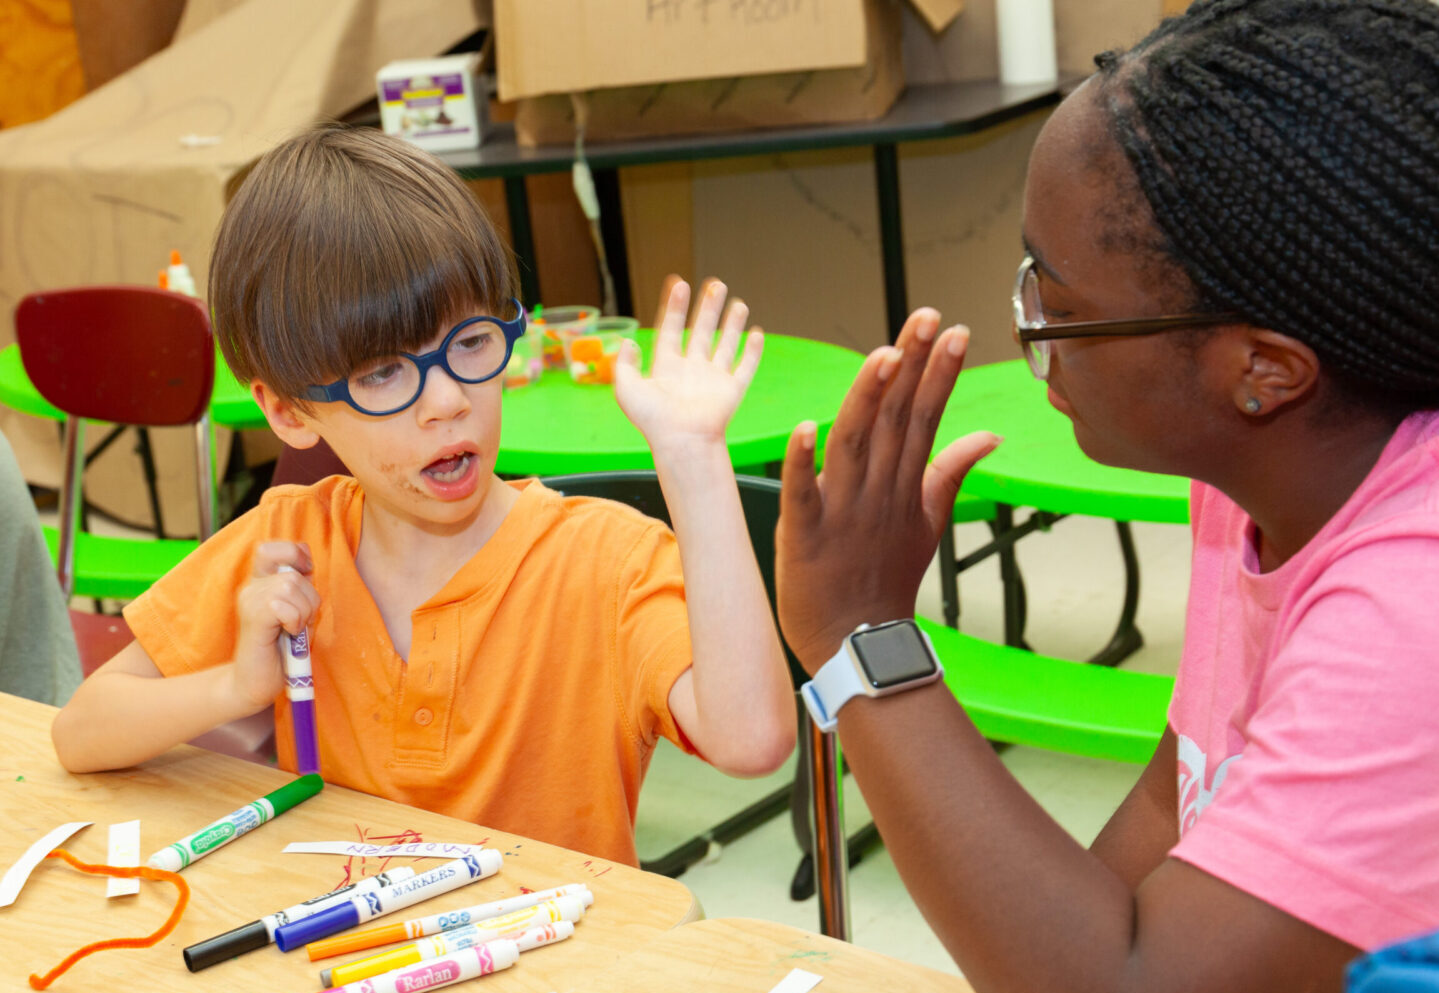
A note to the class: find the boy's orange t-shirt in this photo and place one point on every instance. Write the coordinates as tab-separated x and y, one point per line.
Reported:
538	678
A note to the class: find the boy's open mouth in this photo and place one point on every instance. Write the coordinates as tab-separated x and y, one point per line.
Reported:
451	469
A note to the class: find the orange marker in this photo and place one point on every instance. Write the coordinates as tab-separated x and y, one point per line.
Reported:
419	927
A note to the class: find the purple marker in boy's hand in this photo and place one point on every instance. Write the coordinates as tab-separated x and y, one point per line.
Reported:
300	689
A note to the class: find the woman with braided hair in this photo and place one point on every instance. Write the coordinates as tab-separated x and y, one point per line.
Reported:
1231	273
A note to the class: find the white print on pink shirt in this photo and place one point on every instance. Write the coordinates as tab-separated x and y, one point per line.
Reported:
1195	791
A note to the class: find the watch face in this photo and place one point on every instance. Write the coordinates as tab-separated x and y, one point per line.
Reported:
892	654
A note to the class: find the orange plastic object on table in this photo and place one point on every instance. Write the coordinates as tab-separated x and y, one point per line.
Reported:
38	982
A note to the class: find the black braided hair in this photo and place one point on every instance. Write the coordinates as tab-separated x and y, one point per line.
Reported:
1289	150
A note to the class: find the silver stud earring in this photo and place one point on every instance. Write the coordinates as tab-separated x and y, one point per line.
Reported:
1252	405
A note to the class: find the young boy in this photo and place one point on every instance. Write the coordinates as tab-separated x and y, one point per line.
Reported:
489	650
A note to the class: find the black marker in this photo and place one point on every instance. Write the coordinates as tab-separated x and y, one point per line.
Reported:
258	934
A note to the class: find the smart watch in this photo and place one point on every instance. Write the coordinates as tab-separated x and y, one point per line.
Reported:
873	661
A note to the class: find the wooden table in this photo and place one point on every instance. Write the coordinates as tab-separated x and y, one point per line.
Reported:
737	955
61	909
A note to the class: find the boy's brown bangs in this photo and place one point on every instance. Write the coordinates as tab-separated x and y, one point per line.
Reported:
378	279
393	289
352	248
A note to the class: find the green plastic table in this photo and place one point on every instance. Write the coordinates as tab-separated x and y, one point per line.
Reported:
1041	466
556	426
230	403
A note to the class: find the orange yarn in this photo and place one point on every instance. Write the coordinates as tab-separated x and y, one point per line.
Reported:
124	872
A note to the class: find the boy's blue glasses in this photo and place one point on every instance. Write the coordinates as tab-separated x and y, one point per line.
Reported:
475	350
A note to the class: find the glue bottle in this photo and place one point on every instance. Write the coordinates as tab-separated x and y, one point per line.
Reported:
179	276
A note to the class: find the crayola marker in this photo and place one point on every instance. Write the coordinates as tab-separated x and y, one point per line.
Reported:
564	910
179	854
300	690
367	906
421	927
258	934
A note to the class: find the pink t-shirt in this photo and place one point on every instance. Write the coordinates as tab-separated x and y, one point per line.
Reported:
1307	705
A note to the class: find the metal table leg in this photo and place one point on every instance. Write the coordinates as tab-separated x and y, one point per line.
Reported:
517	203
830	859
891	237
612	230
1126	640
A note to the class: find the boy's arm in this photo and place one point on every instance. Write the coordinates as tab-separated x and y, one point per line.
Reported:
735	704
127	711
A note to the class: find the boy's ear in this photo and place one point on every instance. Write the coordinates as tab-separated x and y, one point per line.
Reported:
286	420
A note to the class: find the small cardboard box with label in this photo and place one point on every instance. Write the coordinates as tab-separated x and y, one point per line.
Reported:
652	67
432	102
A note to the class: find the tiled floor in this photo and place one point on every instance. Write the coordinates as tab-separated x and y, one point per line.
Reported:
1074	579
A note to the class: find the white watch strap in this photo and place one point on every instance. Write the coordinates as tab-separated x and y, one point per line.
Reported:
832	686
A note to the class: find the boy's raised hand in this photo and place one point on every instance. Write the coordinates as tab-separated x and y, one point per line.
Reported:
691	392
274	600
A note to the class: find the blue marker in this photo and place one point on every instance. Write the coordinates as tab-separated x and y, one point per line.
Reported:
367	906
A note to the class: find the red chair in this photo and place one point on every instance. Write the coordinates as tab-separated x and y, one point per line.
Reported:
99	637
129	355
307	465
138	356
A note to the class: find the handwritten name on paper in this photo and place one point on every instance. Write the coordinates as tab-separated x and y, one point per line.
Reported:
359	849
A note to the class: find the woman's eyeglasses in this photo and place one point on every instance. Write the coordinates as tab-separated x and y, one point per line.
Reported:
1035	336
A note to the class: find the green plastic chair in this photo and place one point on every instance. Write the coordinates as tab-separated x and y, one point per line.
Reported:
1017	697
1013	696
1077	708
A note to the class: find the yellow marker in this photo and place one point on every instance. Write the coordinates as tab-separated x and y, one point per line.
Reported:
532	921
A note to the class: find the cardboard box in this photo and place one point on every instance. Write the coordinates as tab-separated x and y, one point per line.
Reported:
432	103
662	67
101	191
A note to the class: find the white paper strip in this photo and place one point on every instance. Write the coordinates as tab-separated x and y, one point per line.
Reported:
16	875
124	850
798	981
417	849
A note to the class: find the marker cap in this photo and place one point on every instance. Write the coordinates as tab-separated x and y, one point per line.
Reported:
224	947
316	926
294	791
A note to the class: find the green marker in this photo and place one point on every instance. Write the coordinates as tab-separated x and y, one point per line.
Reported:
177	856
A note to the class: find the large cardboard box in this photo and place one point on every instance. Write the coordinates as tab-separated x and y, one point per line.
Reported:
660	67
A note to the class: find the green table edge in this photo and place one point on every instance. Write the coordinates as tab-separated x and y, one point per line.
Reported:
1119	494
